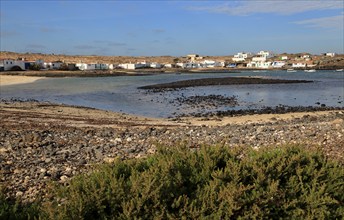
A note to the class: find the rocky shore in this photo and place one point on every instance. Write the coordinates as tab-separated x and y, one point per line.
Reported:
42	143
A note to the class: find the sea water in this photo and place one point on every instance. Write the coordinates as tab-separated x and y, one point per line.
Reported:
121	94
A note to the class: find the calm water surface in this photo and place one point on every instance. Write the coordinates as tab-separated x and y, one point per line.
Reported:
121	93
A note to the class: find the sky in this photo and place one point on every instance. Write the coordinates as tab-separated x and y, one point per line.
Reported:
175	28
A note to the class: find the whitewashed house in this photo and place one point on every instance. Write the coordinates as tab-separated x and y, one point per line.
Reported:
212	64
265	54
259	59
278	64
155	65
190	65
241	57
299	65
259	64
81	66
330	54
168	65
131	66
8	64
56	65
102	66
284	57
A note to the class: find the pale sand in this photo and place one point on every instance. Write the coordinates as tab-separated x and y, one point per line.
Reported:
245	119
6	80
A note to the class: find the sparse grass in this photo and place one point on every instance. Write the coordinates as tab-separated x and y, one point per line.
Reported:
211	183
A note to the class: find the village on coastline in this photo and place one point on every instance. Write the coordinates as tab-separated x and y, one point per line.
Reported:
262	60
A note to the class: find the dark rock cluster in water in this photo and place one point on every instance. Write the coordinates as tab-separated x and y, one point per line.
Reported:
206	101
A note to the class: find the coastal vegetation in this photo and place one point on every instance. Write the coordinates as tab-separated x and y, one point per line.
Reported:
209	182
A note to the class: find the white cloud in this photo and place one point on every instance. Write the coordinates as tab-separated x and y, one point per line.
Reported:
336	22
281	7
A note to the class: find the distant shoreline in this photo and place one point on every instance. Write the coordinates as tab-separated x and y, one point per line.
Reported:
137	72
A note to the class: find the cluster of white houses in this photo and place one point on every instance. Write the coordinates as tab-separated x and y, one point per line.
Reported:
262	60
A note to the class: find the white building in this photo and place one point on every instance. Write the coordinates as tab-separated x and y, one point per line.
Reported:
284	57
265	54
155	65
278	64
211	64
169	65
330	54
240	57
103	66
299	65
188	65
8	64
81	66
258	59
131	66
259	64
56	65
261	56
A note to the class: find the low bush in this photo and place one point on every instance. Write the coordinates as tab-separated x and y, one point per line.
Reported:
210	183
13	209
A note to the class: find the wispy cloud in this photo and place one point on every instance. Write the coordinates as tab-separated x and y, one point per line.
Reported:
336	22
281	7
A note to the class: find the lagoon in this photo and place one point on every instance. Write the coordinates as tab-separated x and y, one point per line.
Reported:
121	94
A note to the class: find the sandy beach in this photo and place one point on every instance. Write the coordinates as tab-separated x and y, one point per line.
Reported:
6	80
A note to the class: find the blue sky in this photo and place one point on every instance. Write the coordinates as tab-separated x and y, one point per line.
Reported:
154	28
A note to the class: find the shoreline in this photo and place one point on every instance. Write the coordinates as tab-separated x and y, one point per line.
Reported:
82	116
144	71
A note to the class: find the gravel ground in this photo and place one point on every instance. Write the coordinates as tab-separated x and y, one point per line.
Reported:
39	147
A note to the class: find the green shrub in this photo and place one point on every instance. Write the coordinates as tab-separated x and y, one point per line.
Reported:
211	183
13	209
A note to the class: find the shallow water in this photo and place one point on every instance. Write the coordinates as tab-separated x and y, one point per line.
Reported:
120	94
